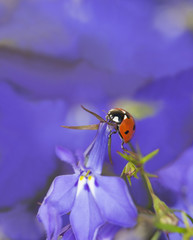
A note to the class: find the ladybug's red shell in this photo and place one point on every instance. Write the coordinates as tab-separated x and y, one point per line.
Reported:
124	121
127	129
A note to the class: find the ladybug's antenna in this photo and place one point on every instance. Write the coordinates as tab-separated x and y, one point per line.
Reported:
84	127
94	114
105	112
98	117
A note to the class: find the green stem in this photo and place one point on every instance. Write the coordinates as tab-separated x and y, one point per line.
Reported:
147	181
132	147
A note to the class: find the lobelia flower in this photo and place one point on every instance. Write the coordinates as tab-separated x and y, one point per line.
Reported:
90	198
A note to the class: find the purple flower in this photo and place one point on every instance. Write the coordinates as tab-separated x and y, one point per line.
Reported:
99	33
68	235
27	141
174	184
107	231
19	223
90	198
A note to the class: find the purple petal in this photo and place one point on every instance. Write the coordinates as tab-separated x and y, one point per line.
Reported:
85	217
97	153
174	185
107	231
19	223
62	193
80	158
65	155
171	133
189	191
28	132
163	53
51	219
68	235
114	201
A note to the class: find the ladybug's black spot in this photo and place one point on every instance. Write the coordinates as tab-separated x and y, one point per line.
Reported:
128	116
134	128
127	132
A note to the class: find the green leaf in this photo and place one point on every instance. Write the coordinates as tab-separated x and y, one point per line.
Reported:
185	219
189	217
188	236
129	179
151	175
123	172
127	157
170	228
156	235
149	156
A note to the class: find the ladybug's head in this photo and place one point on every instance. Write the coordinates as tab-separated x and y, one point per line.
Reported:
115	116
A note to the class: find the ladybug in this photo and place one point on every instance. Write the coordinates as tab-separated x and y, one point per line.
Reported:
124	123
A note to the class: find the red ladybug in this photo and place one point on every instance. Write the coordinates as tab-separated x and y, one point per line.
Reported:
124	123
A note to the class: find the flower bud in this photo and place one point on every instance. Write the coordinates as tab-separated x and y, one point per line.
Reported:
129	169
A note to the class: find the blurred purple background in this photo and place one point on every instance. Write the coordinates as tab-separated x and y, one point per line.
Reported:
58	54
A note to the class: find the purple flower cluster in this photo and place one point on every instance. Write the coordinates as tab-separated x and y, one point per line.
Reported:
91	199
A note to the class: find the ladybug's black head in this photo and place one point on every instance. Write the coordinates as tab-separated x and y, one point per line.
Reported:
115	116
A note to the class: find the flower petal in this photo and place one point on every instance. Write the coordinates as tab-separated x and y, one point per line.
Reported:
178	195
97	153
68	235
189	191
114	201
26	145
51	219
107	231
80	159
19	223
85	217
62	193
65	155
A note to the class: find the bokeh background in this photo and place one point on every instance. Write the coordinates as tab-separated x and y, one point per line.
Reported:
56	55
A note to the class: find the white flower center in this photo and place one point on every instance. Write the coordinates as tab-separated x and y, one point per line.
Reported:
86	182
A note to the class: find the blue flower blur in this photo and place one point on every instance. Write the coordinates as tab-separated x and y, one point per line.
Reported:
91	199
58	55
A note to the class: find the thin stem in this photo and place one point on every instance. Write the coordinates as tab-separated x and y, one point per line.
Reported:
132	147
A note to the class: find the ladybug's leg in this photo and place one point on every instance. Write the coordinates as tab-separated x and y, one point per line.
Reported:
112	132
132	153
109	145
122	146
